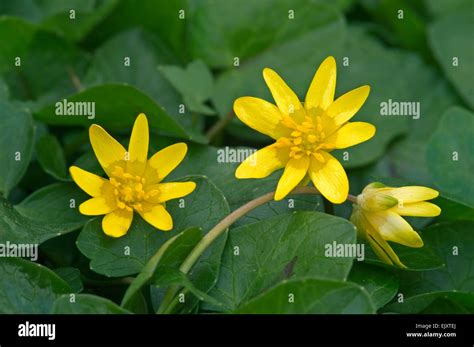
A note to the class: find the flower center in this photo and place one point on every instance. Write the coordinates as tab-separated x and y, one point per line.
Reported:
307	138
129	190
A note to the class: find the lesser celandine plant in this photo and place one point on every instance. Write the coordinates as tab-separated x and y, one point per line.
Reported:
135	182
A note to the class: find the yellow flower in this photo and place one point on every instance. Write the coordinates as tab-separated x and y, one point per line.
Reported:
377	216
134	182
304	133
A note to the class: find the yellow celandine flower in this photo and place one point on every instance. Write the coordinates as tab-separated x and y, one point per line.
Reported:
377	216
134	183
305	134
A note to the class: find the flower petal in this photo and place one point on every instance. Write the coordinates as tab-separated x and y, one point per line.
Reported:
417	209
330	178
394	228
260	115
286	100
164	161
96	207
138	146
351	134
409	194
88	182
109	152
321	91
295	171
381	247
347	105
157	216
263	162
171	190
117	223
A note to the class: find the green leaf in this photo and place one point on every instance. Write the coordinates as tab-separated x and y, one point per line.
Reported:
435	303
451	41
48	212
145	53
416	259
449	155
195	84
27	287
204	208
160	18
72	277
15	35
86	304
451	210
172	252
16	144
111	100
218	39
311	296
442	7
454	243
51	157
380	284
260	255
211	161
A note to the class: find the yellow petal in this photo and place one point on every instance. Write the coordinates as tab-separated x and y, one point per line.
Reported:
88	182
172	190
138	146
109	152
260	115
295	171
409	194
417	209
351	134
321	91
117	223
381	247
330	178
347	105
394	228
263	162
286	100
164	161
157	216
96	207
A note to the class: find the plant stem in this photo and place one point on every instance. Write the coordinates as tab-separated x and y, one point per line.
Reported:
215	232
219	126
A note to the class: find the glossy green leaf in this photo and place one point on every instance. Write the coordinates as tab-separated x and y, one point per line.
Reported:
113	99
72	277
449	156
454	243
451	41
435	303
86	304
48	212
290	246
127	255
194	83
27	287
310	296
171	253
16	144
51	157
380	284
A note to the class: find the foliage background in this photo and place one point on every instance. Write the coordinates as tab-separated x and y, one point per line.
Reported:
190	61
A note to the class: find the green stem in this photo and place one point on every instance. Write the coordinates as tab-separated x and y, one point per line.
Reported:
215	232
219	126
